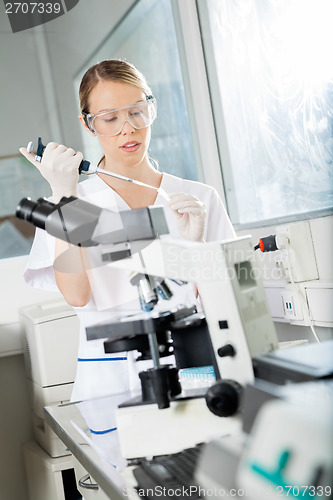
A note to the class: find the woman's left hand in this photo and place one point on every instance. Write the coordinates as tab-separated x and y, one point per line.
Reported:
191	215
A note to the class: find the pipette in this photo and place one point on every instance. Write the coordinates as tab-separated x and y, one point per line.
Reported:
93	169
86	168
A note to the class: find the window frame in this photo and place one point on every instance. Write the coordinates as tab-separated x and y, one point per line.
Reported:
218	120
198	94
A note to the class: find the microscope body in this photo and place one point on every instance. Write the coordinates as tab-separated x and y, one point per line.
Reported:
230	290
240	328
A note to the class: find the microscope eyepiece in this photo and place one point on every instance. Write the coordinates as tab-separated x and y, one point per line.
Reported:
35	212
25	208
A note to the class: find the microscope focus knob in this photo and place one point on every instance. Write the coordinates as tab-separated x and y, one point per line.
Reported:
226	350
224	398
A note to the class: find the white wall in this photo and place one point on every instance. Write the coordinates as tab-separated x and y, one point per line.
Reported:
15	293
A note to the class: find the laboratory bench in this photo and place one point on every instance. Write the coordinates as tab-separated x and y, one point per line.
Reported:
87	428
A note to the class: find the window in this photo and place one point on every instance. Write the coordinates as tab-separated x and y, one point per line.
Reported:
146	37
18	177
271	79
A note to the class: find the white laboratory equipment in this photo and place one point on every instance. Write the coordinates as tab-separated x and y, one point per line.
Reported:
60	478
49	478
50	343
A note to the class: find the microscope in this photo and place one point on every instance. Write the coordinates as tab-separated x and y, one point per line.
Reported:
234	327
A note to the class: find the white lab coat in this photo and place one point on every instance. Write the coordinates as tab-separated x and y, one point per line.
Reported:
100	374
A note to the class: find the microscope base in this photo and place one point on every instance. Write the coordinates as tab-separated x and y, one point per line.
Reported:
145	431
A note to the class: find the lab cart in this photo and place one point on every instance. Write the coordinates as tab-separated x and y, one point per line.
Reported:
47	477
50	343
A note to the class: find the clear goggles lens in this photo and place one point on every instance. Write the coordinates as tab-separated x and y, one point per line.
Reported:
109	123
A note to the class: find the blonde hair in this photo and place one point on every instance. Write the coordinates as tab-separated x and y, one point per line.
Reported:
110	69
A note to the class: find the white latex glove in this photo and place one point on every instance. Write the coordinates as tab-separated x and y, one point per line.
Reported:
60	167
191	215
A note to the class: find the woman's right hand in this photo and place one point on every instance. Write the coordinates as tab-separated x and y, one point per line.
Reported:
60	167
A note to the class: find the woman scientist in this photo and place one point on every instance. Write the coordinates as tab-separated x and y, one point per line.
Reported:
118	108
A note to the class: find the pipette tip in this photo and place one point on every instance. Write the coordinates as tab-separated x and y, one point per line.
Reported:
163	194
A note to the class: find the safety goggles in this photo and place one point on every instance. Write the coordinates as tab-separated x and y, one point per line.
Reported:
111	122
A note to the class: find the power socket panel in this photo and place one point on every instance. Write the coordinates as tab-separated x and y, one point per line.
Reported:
292	307
302	256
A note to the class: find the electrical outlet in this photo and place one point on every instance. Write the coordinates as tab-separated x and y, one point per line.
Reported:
282	265
292	307
302	258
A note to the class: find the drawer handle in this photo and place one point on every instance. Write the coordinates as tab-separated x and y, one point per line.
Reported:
84	484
